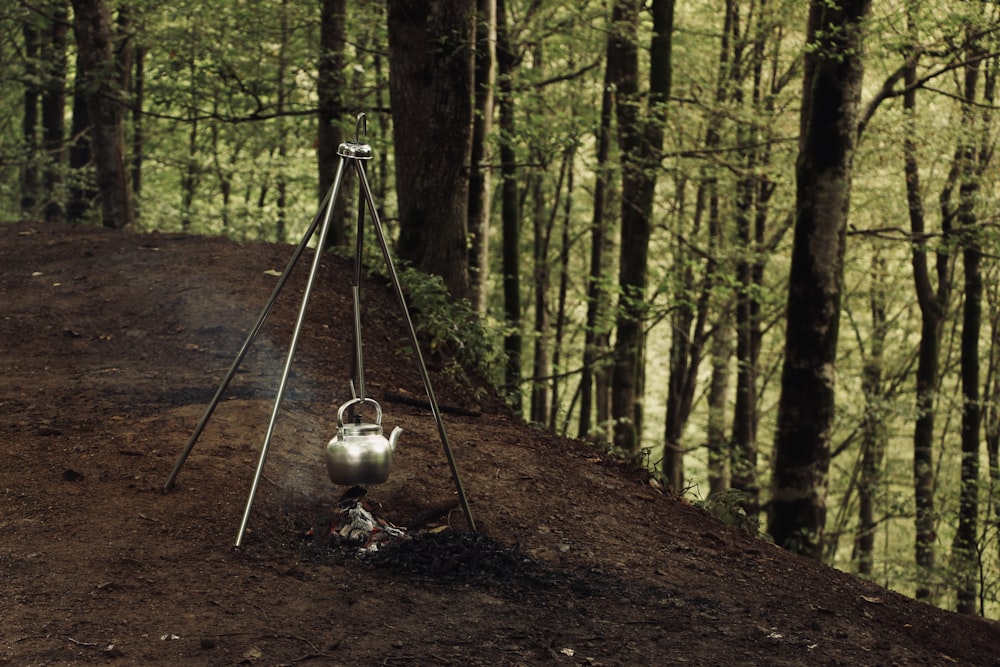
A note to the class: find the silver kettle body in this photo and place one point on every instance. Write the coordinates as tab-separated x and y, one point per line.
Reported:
360	454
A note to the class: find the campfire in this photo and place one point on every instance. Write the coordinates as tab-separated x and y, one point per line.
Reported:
437	552
357	525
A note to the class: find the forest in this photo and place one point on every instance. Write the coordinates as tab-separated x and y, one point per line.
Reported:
748	244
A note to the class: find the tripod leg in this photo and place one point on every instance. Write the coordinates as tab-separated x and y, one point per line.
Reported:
210	409
359	360
424	375
321	244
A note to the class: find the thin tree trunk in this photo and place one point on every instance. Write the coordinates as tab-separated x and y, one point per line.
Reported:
54	112
874	441
281	224
597	297
718	392
480	175
541	361
509	211
965	545
29	123
933	309
806	410
753	192
991	416
138	127
564	271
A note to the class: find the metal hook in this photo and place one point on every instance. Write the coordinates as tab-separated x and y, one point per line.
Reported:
360	127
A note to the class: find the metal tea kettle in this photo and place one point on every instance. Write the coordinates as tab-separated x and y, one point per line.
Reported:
359	454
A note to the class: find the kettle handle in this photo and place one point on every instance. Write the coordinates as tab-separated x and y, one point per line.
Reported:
356	401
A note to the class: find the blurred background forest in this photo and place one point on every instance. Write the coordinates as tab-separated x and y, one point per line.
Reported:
654	327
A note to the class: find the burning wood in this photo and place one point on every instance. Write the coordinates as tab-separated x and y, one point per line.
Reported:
357	525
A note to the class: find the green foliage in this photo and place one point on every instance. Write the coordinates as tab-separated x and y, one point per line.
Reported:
453	332
729	507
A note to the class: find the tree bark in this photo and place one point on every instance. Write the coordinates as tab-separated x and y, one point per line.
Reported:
640	131
102	93
431	90
873	439
29	123
933	305
973	162
480	176
564	278
138	127
597	295
330	85
829	125
509	212
54	112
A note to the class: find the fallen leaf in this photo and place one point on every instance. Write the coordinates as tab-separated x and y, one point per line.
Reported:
272	272
872	599
568	651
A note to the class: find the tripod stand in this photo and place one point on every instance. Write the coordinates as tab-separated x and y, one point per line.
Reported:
357	154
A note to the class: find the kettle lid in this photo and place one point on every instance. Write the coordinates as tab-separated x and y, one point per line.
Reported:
358	428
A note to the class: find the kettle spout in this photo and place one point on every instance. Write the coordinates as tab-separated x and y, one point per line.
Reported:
394	438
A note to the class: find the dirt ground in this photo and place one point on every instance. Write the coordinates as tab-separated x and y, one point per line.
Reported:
112	346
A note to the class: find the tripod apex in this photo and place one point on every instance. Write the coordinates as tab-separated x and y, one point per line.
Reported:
355	151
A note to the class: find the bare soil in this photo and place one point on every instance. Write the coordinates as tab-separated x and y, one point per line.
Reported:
113	345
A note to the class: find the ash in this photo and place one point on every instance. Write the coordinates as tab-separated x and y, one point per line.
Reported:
459	556
441	554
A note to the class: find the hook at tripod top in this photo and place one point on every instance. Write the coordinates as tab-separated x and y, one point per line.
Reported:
360	127
355	149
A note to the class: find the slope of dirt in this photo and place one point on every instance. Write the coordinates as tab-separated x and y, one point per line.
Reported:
113	345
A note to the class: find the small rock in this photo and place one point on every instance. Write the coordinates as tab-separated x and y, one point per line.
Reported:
113	651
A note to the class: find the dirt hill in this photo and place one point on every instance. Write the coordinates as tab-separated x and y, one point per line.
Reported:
113	345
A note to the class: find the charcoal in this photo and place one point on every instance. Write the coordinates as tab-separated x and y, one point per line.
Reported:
459	556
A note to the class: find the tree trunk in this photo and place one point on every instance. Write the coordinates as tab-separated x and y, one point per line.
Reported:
640	141
541	394
92	24
431	88
965	545
191	175
754	191
564	278
29	123
991	416
330	86
718	391
509	212
480	176
281	223
597	296
829	125
541	367
933	309
138	128
81	194
54	112
873	440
